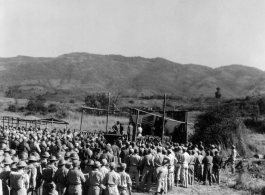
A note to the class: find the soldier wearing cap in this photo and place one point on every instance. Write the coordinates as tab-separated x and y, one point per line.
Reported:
161	178
31	170
148	163
111	181
19	180
74	179
95	180
87	170
134	164
185	168
60	177
199	165
103	169
125	185
180	158
234	154
191	167
4	175
207	172
48	174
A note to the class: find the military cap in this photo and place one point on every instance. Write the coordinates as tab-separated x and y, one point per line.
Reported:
52	158
7	161
61	162
104	161
76	163
90	162
112	165
46	155
135	150
74	156
123	166
159	149
32	158
97	164
23	156
67	155
21	164
12	152
15	159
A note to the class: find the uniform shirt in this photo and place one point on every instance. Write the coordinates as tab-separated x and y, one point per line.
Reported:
108	156
199	159
75	176
148	160
125	180
95	178
111	178
217	162
104	170
124	154
192	160
208	160
135	160
60	175
179	156
115	149
48	173
158	159
31	170
186	158
25	183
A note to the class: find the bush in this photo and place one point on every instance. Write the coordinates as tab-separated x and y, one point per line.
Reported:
72	101
12	108
221	124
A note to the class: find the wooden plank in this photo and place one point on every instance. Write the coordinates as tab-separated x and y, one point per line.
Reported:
164	113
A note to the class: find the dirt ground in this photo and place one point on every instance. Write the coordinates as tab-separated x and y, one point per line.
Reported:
199	189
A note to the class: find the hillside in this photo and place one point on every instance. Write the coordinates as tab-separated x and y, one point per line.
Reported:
129	75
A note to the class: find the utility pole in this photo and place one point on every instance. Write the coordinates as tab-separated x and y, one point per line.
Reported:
108	112
164	115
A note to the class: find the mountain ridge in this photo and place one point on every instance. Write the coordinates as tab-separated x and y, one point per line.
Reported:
131	75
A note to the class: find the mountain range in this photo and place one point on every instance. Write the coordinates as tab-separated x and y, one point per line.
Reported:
129	75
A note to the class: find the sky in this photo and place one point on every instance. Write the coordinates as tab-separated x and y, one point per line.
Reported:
207	32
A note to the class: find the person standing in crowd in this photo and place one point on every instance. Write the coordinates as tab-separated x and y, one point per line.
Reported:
74	179
191	167
185	167
199	165
111	181
180	158
148	163
125	185
19	180
60	177
207	172
130	131
134	165
95	180
217	164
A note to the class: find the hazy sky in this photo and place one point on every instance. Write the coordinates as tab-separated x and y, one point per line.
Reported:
207	32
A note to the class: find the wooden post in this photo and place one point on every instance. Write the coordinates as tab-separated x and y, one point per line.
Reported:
136	125
107	122
164	115
81	120
186	125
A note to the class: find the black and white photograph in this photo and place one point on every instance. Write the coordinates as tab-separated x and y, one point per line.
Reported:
132	97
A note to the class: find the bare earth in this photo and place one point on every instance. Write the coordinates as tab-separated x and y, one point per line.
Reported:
199	189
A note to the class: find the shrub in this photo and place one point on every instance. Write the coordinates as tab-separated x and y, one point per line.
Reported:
72	101
221	124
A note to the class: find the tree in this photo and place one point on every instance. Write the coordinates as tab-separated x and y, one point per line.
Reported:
220	124
100	100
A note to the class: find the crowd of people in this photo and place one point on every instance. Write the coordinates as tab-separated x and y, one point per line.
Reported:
49	162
